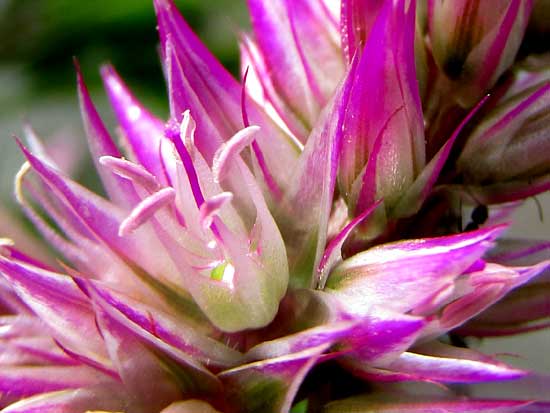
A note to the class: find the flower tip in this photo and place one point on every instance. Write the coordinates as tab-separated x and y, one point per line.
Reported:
22	146
76	64
107	72
81	85
162	5
493	232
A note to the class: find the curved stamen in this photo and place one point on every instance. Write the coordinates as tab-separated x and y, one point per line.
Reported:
212	207
187	131
225	155
131	171
146	209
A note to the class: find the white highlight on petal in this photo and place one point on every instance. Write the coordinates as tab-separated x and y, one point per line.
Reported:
223	158
211	207
229	275
146	209
134	112
129	170
6	242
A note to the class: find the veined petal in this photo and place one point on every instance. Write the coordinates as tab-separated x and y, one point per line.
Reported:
153	325
23	381
37	350
511	142
305	229
356	20
270	385
102	219
404	274
414	196
516	190
10	303
327	334
260	87
101	144
60	304
437	362
383	336
520	252
380	334
105	398
255	275
300	55
21	325
474	43
333	253
396	404
150	392
384	101
479	290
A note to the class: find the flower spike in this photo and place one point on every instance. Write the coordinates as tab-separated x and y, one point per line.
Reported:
325	235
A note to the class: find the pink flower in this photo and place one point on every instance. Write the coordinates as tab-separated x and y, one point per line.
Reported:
291	242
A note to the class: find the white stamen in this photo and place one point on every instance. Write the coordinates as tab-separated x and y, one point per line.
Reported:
211	207
233	147
145	210
187	131
25	168
131	171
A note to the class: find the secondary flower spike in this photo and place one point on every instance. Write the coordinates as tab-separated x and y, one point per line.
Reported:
322	235
475	42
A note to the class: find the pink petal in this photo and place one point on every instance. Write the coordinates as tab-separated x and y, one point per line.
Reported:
385	82
446	364
198	82
404	274
356	21
278	379
186	335
151	391
480	290
100	144
106	397
60	304
313	189
428	404
18	382
141	129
